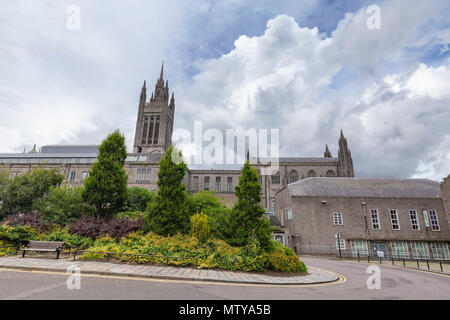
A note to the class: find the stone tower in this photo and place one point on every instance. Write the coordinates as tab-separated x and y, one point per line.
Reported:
445	193
345	167
327	153
154	123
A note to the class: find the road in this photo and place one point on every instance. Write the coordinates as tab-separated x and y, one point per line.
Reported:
395	283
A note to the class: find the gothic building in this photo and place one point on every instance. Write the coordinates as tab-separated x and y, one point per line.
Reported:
306	198
154	123
153	136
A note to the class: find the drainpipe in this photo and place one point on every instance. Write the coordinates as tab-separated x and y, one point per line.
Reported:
365	219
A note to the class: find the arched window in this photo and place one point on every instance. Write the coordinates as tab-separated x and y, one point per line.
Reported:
293	176
311	173
330	173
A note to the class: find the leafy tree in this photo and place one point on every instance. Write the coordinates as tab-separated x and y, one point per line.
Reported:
4	179
24	192
207	202
63	205
105	187
137	199
246	219
170	212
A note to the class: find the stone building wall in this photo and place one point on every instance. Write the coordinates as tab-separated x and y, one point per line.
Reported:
312	225
445	192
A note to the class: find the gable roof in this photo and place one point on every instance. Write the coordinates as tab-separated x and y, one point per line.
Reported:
365	187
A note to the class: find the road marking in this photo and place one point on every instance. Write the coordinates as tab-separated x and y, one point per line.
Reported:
29	293
341	279
392	267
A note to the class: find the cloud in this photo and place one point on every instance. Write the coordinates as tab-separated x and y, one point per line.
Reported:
236	64
393	109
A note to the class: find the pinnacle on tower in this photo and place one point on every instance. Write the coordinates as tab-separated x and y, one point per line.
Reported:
162	72
327	153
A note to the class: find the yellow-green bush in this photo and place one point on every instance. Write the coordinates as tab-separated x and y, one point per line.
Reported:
279	261
200	227
212	253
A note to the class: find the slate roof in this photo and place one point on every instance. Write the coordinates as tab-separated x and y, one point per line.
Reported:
366	187
297	159
70	149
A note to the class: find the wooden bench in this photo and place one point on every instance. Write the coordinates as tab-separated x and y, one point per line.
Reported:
47	246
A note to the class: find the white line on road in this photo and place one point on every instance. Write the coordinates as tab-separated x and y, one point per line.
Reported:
29	293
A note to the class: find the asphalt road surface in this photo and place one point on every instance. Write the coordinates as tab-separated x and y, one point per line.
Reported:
395	283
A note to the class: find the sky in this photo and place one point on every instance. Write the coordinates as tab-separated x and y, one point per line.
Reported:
308	68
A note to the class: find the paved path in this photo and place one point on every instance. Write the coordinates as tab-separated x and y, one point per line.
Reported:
315	275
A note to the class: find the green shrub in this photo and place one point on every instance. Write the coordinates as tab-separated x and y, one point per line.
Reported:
137	199
17	235
278	261
72	240
277	246
63	205
132	215
208	203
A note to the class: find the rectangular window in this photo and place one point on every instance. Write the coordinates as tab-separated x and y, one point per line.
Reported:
425	218
229	184
84	175
414	220
434	220
289	214
341	243
206	183
72	176
276	179
420	250
400	249
337	218
375	220
195	183
279	238
218	184
145	130
394	220
156	135
359	247
150	130
440	251
143	175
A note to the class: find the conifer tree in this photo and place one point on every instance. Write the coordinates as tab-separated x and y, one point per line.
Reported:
106	186
246	219
170	212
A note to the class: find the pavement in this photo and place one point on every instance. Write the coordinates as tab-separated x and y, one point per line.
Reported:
315	275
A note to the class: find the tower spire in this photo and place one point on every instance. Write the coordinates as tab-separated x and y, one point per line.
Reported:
162	72
327	153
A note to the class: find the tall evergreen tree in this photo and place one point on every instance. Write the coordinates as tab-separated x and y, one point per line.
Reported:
246	219
170	212
106	186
